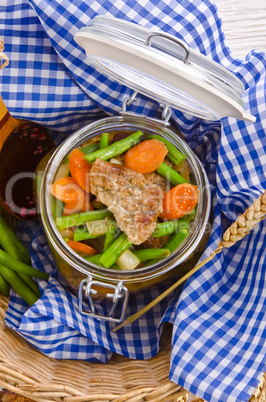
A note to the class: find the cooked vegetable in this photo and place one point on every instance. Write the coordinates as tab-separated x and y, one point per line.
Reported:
63	171
90	148
67	234
80	247
67	190
111	233
168	227
109	256
21	267
96	228
57	207
150	253
81	233
127	261
18	285
116	161
95	259
117	148
177	238
81	205
170	174
104	141
179	201
146	156
82	217
183	169
79	169
173	153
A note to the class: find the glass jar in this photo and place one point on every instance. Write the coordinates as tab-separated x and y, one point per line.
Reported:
163	68
80	275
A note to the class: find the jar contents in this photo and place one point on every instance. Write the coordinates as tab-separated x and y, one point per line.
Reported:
124	204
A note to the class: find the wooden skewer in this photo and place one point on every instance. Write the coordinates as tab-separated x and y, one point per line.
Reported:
240	228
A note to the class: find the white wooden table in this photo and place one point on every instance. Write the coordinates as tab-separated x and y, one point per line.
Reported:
244	25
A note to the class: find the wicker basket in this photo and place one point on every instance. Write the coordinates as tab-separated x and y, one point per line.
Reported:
27	372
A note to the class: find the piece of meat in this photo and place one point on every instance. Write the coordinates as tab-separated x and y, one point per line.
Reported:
153	242
159	180
130	196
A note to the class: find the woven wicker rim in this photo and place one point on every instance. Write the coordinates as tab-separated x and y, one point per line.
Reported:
26	371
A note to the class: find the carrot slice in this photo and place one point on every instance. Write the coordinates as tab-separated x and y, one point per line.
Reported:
79	169
79	206
146	156
66	190
80	247
179	201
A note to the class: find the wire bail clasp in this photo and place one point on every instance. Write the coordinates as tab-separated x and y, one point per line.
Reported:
127	102
118	292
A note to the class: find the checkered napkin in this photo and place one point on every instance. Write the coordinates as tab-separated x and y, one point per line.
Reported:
219	333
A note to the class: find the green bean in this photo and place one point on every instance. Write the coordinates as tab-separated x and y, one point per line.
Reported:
177	238
104	141
111	233
4	286
173	153
18	285
191	214
169	227
170	174
80	218
57	207
90	148
81	233
150	253
21	267
95	259
109	257
31	284
117	148
7	243
23	252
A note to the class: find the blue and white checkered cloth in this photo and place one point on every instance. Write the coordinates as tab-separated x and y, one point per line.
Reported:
219	332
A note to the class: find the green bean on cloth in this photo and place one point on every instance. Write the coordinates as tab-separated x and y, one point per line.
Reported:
18	285
21	267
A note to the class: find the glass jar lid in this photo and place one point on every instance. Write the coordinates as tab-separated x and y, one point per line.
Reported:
163	68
